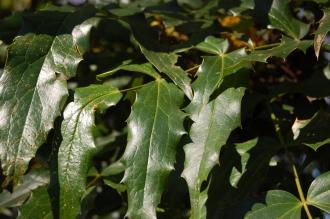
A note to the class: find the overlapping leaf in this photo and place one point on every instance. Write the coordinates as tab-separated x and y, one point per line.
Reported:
155	127
33	87
213	70
78	145
209	132
165	62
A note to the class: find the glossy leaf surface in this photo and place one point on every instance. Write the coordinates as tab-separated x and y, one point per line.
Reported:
319	192
154	131
165	62
33	87
209	132
78	147
281	18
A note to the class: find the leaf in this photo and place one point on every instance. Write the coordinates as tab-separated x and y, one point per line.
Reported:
322	31
165	62
213	45
81	33
318	193
243	150
281	18
38	206
31	181
209	132
313	132
78	146
213	70
145	68
33	88
286	46
279	204
155	129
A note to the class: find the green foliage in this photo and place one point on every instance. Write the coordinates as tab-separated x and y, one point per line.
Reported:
164	109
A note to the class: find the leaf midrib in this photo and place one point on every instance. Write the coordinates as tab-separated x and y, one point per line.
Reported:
81	109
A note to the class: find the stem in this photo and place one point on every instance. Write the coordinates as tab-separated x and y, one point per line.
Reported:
93	180
132	88
192	68
294	169
301	193
264	46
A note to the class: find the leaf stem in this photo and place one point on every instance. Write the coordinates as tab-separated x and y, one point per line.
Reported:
192	68
294	169
93	181
132	88
301	193
266	46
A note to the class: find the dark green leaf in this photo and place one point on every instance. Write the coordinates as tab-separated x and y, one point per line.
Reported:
281	18
165	62
243	150
145	68
26	86
213	70
33	87
155	127
38	206
78	145
319	192
279	204
209	132
286	46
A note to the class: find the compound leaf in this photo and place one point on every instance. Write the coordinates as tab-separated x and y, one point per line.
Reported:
154	131
77	147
